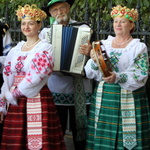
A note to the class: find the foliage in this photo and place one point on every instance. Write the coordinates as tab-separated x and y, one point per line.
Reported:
104	8
79	11
13	5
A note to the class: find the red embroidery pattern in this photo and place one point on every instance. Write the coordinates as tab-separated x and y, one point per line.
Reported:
34	117
2	103
16	93
7	70
42	62
20	64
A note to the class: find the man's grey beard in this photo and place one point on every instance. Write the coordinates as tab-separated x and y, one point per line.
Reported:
63	19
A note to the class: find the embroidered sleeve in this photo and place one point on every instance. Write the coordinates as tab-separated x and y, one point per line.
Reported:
16	93
2	105
92	70
135	76
7	73
94	66
40	68
42	63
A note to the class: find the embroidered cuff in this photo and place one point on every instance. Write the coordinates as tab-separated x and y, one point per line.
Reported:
16	93
2	106
121	78
94	66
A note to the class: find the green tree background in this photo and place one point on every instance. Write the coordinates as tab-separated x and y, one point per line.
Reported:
79	8
104	7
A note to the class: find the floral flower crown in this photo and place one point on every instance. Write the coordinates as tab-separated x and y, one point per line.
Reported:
119	11
31	12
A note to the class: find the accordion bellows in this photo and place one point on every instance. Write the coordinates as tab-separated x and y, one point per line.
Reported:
66	41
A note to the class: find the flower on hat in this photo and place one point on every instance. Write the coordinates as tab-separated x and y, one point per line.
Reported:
119	11
31	12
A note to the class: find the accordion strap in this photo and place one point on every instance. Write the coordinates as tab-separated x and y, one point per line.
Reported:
80	108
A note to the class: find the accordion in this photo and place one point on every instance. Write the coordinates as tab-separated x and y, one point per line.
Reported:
101	58
66	41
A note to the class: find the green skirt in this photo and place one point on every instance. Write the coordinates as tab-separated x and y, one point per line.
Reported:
108	134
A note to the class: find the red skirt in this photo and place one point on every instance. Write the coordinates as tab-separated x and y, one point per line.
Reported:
15	125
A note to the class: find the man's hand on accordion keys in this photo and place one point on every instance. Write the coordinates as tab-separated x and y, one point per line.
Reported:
85	49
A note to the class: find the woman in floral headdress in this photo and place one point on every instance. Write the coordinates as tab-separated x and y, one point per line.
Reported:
31	120
119	115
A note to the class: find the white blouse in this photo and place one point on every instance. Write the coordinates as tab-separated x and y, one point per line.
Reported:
130	64
36	65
